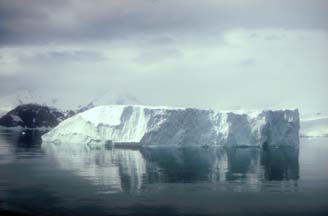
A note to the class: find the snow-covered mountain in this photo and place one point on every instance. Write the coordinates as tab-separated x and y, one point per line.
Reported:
32	116
176	126
11	101
314	124
119	98
111	98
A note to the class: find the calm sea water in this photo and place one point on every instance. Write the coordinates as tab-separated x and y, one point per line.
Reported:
162	181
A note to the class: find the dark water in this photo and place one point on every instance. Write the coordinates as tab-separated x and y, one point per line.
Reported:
162	181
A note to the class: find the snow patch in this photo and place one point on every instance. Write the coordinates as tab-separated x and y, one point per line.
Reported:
16	118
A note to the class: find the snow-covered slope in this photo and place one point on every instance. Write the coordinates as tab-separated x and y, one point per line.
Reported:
314	127
314	124
176	126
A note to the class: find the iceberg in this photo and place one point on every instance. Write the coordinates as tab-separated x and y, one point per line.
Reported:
166	126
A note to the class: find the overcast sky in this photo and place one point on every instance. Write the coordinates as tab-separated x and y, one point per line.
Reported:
198	53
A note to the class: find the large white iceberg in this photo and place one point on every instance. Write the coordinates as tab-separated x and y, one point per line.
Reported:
164	126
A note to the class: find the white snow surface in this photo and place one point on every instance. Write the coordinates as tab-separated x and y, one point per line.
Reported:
104	116
166	126
314	127
314	124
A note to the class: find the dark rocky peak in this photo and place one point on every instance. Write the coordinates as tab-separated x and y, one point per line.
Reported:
32	116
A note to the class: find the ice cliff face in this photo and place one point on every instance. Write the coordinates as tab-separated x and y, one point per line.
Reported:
176	126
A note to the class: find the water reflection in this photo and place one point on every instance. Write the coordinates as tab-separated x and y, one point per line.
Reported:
280	163
22	138
243	163
183	164
112	169
130	169
19	144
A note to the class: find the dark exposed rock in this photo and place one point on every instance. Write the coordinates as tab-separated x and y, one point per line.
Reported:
70	113
32	116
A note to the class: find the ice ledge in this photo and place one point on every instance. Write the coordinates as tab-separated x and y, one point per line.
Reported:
167	126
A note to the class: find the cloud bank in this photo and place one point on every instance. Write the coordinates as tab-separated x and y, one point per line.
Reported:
210	53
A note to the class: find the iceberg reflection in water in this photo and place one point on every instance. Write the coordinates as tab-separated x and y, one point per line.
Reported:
130	169
114	169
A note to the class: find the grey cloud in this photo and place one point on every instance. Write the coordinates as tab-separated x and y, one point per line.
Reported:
253	36
76	56
274	37
62	56
45	21
150	56
153	44
248	62
270	37
22	22
160	40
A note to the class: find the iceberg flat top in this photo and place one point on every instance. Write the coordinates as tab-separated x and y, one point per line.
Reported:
148	125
